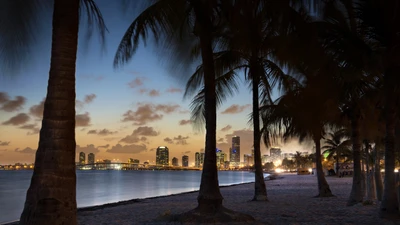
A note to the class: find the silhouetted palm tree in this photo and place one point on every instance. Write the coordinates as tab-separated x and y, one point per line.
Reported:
51	197
384	28
301	114
246	46
337	144
175	20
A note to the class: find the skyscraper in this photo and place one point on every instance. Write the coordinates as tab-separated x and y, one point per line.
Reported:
197	159
275	153
185	161
175	161
220	158
82	158
90	158
235	151
162	156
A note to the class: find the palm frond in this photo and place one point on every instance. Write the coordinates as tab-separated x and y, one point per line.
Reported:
95	21
161	19
20	23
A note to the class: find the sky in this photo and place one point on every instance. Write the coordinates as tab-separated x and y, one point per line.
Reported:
120	113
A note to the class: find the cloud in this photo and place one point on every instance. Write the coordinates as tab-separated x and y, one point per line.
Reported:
89	98
4	97
103	146
226	128
234	109
174	90
4	143
180	140
168	140
144	114
140	131
82	120
136	82
26	150
130	139
184	122
103	132
90	148
33	127
154	93
37	110
145	131
111	138
167	108
19	119
8	105
129	149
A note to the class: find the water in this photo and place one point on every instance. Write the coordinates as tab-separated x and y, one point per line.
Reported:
95	187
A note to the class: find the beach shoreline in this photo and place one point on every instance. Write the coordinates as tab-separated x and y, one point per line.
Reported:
291	201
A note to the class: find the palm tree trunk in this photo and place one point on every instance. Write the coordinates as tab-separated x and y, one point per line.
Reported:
209	194
368	179
390	206
51	197
356	194
260	191
337	163
378	175
209	200
323	186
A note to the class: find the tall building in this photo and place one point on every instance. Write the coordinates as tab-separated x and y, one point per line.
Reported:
82	158
220	158
185	161
235	151
175	161
90	158
248	159
202	155
162	156
275	153
197	159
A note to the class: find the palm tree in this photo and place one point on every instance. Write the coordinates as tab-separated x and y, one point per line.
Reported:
337	144
287	116
300	160
252	25
51	197
384	28
174	20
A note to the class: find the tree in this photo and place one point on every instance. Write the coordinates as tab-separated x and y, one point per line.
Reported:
337	144
51	197
174	20
384	29
251	25
287	118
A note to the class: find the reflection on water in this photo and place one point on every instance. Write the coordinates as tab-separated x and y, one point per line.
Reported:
96	187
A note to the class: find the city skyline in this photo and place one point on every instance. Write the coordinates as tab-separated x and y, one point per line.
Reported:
120	113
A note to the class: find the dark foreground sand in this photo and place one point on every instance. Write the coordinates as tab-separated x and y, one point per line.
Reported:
291	201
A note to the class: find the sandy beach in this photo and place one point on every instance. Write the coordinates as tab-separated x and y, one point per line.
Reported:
291	201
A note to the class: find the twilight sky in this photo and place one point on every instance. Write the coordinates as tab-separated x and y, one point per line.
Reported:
121	114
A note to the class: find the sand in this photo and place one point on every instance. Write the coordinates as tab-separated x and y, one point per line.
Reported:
291	201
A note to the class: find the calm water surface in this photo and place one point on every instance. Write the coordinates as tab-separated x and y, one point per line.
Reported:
96	187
